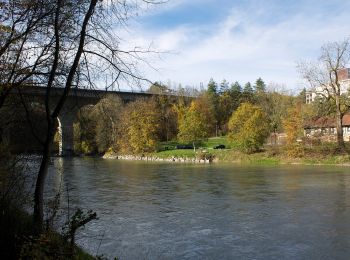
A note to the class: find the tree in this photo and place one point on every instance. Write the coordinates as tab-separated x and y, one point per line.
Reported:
275	106
293	124
236	94
249	127
212	88
302	96
214	102
106	113
193	125
85	131
236	87
140	127
260	86
21	24
158	88
248	93
76	45
202	105
227	105
168	117
61	31
325	75
223	86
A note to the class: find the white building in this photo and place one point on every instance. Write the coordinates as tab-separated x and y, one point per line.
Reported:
344	80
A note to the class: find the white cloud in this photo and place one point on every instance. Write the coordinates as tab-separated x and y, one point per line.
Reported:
241	48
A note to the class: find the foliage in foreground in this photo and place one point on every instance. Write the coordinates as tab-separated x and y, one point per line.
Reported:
18	239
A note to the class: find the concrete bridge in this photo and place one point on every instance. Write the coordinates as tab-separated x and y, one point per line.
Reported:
76	99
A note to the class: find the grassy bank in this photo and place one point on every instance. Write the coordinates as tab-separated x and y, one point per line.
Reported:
326	153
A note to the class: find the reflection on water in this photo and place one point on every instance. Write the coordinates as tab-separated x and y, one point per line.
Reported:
176	211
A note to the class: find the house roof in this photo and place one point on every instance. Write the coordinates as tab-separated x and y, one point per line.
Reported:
326	121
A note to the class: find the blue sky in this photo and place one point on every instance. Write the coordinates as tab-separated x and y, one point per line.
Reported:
237	40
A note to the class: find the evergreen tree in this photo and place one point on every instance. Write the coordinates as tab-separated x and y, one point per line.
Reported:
236	87
214	101
260	86
223	86
236	95
248	93
248	88
212	87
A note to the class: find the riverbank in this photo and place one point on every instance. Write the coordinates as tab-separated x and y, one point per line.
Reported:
324	155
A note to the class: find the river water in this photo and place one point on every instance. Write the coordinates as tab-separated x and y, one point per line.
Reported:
192	211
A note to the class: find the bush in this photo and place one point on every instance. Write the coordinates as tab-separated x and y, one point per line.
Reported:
295	150
203	155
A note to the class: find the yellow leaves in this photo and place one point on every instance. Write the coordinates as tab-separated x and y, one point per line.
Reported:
141	123
192	124
249	127
293	124
5	28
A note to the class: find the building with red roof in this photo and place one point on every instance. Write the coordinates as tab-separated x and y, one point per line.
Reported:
325	128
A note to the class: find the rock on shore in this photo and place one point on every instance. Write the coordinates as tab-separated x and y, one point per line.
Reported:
156	159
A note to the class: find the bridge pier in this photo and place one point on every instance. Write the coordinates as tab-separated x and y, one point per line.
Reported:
66	148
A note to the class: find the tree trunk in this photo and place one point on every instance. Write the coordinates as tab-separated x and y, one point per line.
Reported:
51	118
339	125
40	181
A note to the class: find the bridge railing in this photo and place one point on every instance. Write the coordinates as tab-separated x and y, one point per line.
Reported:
37	86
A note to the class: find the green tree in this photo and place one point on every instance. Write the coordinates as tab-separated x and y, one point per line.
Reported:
236	94
236	87
249	127
193	125
214	102
212	87
248	93
223	86
260	86
226	107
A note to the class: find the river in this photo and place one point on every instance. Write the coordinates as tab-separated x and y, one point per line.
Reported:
216	211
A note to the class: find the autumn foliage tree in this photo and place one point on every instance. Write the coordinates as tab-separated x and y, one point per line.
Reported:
140	127
249	127
193	124
293	124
